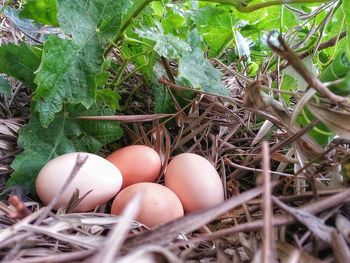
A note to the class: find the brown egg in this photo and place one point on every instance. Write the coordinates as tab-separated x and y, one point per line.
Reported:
195	181
137	163
159	204
96	174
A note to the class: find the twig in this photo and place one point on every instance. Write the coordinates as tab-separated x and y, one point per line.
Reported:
21	211
64	257
330	43
279	220
128	118
268	251
77	166
313	223
168	232
168	69
235	165
340	248
118	235
286	52
253	162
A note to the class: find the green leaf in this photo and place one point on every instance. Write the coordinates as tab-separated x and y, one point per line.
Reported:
68	73
346	10
109	97
288	84
92	21
174	21
198	71
342	88
5	87
65	134
321	133
215	24
20	62
338	121
69	69
162	98
338	68
168	46
42	11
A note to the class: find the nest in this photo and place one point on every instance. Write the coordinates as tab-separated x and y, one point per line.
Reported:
286	198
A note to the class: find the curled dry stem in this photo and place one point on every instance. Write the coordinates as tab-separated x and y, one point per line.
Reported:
286	52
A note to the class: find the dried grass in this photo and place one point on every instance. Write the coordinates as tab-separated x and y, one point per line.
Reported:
285	201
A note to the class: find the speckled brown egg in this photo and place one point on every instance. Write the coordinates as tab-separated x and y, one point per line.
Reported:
159	204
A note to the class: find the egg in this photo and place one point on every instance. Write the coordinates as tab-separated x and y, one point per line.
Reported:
195	181
96	174
137	163
159	204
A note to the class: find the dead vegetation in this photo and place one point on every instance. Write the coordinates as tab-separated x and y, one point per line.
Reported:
286	198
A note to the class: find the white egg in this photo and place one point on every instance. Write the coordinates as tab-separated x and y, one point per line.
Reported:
96	174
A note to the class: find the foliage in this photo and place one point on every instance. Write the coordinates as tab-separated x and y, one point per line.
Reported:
43	11
71	74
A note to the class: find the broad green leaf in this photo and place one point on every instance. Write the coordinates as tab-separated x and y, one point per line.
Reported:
20	62
5	87
109	97
214	23
42	11
65	134
91	21
67	73
69	68
144	58
196	69
174	21
162	98
168	46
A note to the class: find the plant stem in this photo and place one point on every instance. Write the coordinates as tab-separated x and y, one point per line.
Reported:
127	22
243	7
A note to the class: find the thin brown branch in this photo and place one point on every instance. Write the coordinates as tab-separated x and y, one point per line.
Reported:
255	160
330	43
268	241
21	211
279	220
286	52
168	232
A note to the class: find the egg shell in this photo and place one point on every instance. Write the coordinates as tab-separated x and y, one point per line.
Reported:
96	174
195	181
159	204
137	163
